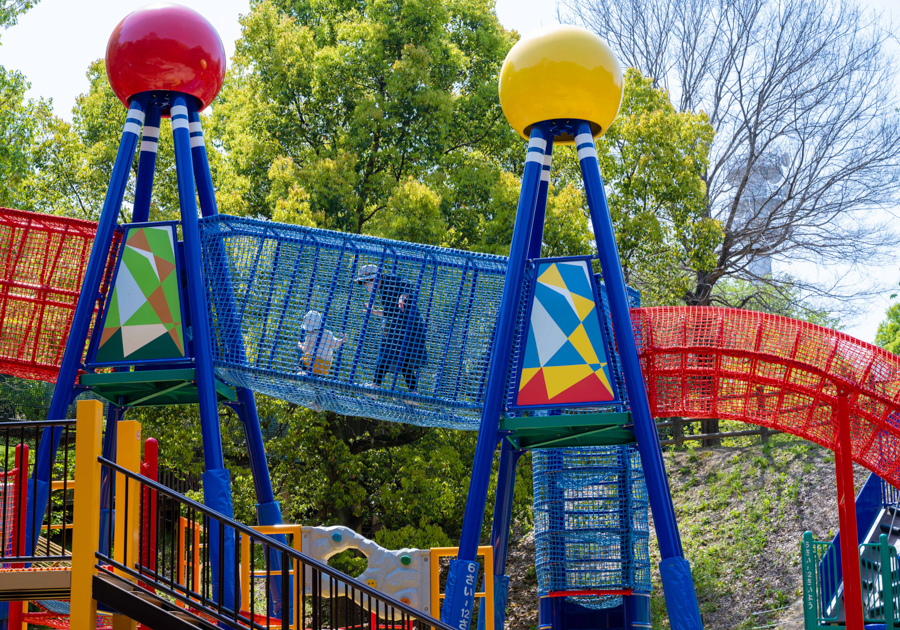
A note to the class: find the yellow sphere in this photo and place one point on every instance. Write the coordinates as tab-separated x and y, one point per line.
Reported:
561	73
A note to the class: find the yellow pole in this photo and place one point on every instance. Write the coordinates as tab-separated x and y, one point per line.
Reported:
86	515
246	572
488	587
127	523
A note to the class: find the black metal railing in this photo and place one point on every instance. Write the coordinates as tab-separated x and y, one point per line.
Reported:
30	533
307	594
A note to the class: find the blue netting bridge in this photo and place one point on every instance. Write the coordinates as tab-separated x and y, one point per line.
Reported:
355	324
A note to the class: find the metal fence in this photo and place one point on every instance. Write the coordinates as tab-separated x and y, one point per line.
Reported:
297	591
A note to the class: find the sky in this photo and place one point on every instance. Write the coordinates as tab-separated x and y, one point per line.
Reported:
54	43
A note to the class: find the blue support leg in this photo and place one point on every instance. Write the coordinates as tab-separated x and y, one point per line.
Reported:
216	479
540	210
39	483
268	510
503	503
681	599
143	189
460	599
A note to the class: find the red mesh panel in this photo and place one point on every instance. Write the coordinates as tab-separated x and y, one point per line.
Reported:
43	260
775	372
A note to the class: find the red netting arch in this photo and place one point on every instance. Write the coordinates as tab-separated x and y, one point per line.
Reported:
772	371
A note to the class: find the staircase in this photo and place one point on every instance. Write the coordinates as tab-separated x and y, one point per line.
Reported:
823	587
178	583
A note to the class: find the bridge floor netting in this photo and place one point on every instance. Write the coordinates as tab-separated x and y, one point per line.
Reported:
355	324
775	372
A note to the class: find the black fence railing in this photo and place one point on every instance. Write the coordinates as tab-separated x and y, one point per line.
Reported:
29	532
290	590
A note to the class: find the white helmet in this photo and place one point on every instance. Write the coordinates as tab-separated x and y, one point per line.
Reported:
312	321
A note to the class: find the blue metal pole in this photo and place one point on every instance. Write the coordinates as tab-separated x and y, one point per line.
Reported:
503	503
540	211
681	600
39	484
140	213
268	510
459	603
216	479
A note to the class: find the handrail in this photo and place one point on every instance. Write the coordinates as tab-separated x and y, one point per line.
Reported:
340	583
29	424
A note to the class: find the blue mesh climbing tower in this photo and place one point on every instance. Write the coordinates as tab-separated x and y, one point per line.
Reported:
591	524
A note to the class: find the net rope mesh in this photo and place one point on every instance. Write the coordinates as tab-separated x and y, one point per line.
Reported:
43	259
591	522
775	372
292	318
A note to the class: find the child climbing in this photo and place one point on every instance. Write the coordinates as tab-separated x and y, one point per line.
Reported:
318	346
403	336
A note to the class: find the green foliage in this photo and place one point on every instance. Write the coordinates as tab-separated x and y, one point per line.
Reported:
73	161
653	159
766	298
350	561
19	127
888	334
372	103
10	10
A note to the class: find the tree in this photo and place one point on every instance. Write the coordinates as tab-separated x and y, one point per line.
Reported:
19	127
888	334
10	10
359	105
73	162
801	96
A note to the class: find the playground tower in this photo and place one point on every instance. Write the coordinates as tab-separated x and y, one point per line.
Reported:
562	85
151	327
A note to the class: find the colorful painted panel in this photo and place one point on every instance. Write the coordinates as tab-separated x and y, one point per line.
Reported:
143	317
565	355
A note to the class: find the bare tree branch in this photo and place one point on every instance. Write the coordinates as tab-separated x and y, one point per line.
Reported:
802	96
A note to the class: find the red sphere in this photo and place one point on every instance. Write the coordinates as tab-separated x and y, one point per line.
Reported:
165	47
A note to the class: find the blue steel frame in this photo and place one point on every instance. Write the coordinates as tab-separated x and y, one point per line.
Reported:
616	401
92	349
681	599
143	190
268	510
459	598
64	392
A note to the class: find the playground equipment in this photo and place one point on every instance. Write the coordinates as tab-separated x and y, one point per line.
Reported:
824	602
535	353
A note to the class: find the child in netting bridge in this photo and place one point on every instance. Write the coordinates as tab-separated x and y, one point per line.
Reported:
318	346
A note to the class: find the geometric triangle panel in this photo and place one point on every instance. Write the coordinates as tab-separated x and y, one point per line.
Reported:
565	360
142	319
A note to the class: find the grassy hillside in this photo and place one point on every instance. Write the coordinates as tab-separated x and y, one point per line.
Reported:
742	512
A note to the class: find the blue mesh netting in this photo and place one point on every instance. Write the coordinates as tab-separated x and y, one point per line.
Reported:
293	317
591	522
